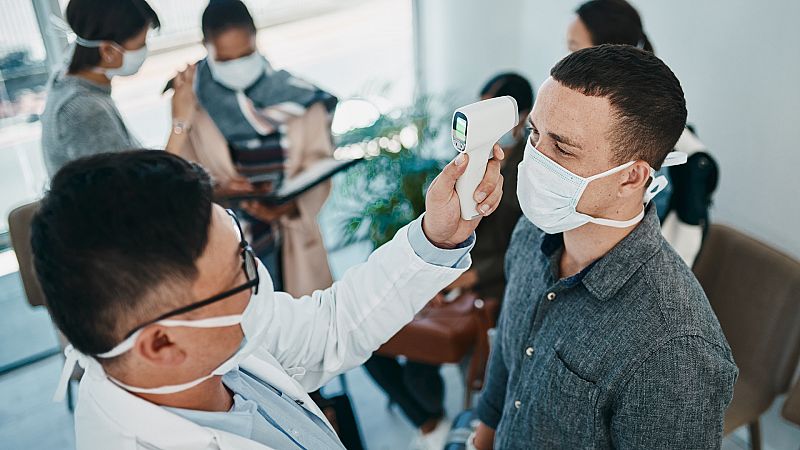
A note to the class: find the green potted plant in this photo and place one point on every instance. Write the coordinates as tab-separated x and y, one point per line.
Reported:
381	195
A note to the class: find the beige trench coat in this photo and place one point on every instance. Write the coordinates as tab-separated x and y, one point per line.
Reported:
305	260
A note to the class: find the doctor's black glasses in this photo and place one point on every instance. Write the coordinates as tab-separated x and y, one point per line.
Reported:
249	266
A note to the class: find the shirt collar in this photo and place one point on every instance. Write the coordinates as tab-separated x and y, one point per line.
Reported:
604	277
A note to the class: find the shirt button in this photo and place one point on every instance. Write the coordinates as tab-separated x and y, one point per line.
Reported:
529	351
551	296
517	404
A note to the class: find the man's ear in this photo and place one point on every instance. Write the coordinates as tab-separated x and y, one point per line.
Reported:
110	56
156	346
635	179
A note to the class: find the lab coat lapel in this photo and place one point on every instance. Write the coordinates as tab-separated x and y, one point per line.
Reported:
264	366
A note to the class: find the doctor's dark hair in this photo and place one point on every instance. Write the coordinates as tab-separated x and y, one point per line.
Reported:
106	20
222	15
112	235
512	84
614	22
646	98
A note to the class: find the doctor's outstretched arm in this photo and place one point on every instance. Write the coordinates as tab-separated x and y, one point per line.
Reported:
324	334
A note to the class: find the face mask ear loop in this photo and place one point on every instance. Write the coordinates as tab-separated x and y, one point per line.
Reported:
608	172
659	183
72	357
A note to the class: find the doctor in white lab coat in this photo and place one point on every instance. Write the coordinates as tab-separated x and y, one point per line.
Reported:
170	360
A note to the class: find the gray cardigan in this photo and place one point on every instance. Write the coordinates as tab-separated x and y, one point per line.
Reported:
80	119
627	354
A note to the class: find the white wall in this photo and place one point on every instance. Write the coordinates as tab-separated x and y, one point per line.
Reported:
738	62
462	43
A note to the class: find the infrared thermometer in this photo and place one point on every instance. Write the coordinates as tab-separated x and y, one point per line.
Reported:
476	128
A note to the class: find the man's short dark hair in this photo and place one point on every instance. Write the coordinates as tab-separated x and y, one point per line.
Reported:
106	20
222	15
646	97
111	231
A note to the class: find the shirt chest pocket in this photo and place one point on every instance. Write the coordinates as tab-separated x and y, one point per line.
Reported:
565	406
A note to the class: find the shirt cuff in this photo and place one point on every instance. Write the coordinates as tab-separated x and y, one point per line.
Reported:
432	254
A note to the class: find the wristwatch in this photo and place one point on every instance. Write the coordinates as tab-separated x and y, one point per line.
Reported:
179	127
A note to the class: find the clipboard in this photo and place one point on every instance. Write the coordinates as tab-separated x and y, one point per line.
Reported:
291	188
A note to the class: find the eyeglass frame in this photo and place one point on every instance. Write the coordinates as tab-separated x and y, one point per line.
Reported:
246	252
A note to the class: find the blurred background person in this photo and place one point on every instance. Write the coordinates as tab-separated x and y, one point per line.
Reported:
606	22
256	127
80	117
416	387
683	206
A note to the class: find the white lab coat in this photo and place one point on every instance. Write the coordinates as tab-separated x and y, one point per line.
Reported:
310	340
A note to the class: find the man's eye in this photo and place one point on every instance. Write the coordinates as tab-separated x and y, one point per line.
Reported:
562	151
534	134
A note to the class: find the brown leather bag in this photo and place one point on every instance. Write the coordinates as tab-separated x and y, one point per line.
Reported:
448	334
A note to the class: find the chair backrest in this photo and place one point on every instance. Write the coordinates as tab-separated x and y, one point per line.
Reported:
755	292
19	227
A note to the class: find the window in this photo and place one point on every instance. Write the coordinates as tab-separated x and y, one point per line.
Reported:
23	77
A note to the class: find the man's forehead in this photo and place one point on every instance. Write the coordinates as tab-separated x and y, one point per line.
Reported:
571	114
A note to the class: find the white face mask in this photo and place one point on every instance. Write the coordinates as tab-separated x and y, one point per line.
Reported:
237	74
253	321
548	193
132	60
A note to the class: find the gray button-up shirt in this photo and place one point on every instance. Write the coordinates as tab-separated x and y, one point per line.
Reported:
625	354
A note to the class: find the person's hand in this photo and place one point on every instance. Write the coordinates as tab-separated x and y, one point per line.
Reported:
268	213
483	437
442	223
184	102
237	185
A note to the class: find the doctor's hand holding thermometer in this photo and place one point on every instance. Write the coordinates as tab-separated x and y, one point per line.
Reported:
444	223
475	173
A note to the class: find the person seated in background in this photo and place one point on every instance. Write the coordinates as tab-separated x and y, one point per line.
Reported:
258	123
80	118
605	339
184	341
416	387
683	206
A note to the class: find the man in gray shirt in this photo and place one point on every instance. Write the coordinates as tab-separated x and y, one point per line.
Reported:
606	339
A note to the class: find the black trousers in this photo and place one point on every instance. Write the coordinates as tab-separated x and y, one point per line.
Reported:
417	388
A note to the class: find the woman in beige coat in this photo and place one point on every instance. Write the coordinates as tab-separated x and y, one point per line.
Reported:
303	255
255	120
